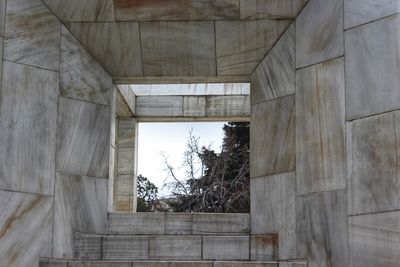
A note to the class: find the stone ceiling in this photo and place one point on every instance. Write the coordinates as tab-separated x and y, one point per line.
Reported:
213	40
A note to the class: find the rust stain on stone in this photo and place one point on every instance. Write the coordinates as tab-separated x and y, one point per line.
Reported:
267	240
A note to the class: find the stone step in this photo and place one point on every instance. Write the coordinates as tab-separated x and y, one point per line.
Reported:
179	223
175	247
58	263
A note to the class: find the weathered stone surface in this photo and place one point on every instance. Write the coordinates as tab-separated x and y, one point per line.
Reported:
320	128
373	88
244	264
221	106
136	224
194	106
32	34
178	224
125	247
102	264
178	48
373	159
25	227
322	233
175	247
129	97
2	16
159	106
293	264
272	137
209	223
275	76
358	12
83	138
122	107
126	143
28	119
53	263
264	247
81	76
241	45
375	240
82	11
116	45
273	210
87	246
153	10
319	32
226	248
270	9
80	206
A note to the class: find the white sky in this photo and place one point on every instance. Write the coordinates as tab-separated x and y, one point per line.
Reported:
171	139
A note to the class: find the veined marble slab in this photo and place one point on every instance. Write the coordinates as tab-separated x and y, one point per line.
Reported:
273	210
322	232
320	128
150	106
374	178
227	106
272	137
28	119
226	248
80	206
25	228
155	10
116	45
375	240
175	247
83	138
275	76
81	76
319	32
2	16
122	107
241	45
270	9
32	34
178	48
129	96
82	10
126	145
357	12
373	88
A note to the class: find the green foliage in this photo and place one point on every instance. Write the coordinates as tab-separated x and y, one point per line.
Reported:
147	194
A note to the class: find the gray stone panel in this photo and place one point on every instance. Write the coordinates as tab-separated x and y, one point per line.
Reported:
273	210
80	206
83	138
104	264
159	106
264	247
129	96
226	248
194	106
244	264
241	45
53	263
272	137
221	223
178	224
270	9
82	10
358	12
25	226
320	128
125	247
374	87
319	32
153	10
373	164
275	76
32	34
178	48
81	76
87	246
322	233
2	16
28	119
116	45
224	106
375	240
137	223
175	247
126	143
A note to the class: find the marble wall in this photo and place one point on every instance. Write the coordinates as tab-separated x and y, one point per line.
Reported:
340	198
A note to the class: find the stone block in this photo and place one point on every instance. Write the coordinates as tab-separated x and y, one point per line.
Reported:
53	263
28	119
159	106
322	232
375	240
270	9
175	247
373	88
100	264
137	223
226	248
129	96
80	206
178	224
373	160
225	106
26	227
194	106
264	247
126	143
272	137
221	223
244	264
320	128
83	138
87	247
81	76
125	247
275	75
273	210
178	48
32	34
319	32
241	45
2	16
